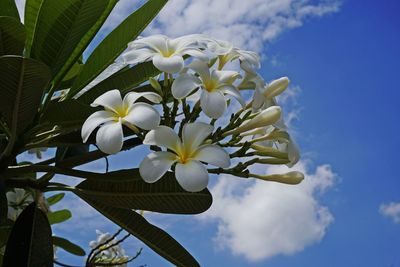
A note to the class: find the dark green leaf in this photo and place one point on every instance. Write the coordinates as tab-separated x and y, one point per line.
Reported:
21	88
32	10
5	230
60	26
12	36
9	8
68	246
116	42
156	238
55	198
85	41
3	202
70	151
59	216
123	80
69	112
126	189
30	242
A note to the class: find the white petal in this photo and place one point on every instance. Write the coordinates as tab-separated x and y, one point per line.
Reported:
192	176
226	76
294	153
132	97
143	115
155	165
201	68
110	100
184	85
231	90
156	42
214	155
171	64
195	53
138	56
95	120
194	134
163	136
258	99
109	137
213	104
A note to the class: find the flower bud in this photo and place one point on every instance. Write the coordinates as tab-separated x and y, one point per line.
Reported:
293	178
269	151
155	84
276	87
266	117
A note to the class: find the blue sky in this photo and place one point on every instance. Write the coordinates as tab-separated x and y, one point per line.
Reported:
345	64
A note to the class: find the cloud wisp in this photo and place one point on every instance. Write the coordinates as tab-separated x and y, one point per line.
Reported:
259	220
391	210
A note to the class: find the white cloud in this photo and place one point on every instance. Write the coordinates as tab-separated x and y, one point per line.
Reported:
391	210
248	24
259	220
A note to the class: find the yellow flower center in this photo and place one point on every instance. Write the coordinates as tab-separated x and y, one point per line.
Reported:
210	85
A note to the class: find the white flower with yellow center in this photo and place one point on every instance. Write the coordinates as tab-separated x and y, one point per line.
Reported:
226	52
214	86
188	154
118	112
166	54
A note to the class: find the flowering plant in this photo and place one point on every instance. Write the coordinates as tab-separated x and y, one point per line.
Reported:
195	104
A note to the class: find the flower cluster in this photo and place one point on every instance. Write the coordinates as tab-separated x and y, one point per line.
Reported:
181	115
107	250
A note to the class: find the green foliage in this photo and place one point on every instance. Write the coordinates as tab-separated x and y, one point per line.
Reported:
31	237
60	26
116	42
54	199
9	8
129	191
45	55
12	36
68	246
157	239
59	216
125	80
21	89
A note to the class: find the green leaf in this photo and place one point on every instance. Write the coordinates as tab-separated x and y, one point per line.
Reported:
32	10
31	239
9	8
126	189
54	199
154	237
3	203
124	80
85	41
12	36
59	216
21	88
63	152
59	28
116	42
69	112
68	246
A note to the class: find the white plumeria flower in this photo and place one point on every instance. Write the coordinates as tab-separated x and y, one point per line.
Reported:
190	173
118	112
166	54
17	201
214	84
111	253
249	60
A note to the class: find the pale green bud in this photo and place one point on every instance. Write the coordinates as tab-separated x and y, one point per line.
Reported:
266	117
293	178
155	84
276	87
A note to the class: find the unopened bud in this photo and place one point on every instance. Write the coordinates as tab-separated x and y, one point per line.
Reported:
266	117
269	151
155	84
293	178
276	87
